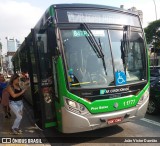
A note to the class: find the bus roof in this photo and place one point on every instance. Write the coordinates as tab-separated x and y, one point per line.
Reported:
81	5
47	13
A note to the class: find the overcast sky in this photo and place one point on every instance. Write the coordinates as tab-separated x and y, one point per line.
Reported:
17	17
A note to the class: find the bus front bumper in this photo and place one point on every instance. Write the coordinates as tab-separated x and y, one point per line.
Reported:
73	123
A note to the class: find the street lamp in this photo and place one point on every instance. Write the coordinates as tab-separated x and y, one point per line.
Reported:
155	8
0	45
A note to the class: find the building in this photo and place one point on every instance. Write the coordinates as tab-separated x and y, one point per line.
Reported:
12	45
1	58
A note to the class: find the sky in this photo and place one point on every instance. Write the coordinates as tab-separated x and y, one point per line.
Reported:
17	17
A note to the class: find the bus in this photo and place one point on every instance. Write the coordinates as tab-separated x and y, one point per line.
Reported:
88	67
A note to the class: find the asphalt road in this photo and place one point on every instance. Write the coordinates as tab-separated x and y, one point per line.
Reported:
145	132
126	134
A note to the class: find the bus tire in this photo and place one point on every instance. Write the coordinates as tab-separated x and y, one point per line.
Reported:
152	108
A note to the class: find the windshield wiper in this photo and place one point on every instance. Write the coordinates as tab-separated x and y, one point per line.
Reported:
125	44
95	45
91	39
103	61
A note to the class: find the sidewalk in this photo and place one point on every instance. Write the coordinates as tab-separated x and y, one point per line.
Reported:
27	125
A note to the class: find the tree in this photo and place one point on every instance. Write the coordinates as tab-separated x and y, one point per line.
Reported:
152	32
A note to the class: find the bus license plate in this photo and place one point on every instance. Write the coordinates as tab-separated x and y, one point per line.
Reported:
115	120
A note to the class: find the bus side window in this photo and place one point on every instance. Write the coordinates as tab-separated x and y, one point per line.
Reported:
44	57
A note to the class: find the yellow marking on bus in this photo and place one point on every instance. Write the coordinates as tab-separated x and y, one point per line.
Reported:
83	83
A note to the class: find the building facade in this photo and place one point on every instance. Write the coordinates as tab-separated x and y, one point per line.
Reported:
1	58
12	45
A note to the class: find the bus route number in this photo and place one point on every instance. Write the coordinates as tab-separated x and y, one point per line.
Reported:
129	102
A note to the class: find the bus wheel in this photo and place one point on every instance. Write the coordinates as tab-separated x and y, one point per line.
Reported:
151	107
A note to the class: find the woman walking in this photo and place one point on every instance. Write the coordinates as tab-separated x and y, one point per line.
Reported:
15	102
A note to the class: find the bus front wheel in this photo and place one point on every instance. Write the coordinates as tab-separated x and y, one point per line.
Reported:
152	109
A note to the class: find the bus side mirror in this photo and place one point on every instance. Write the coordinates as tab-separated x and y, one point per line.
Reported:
57	51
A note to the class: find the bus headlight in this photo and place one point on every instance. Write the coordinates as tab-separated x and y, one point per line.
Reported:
144	97
71	103
75	107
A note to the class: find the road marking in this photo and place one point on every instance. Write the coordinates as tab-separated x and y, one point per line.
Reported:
151	121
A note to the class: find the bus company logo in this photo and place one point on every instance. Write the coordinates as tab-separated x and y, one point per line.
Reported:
103	91
115	105
6	140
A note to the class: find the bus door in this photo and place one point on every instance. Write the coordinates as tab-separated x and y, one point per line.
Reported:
45	77
33	75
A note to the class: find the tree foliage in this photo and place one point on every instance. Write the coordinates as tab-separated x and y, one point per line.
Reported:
152	32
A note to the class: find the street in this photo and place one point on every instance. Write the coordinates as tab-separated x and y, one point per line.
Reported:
137	132
145	131
30	131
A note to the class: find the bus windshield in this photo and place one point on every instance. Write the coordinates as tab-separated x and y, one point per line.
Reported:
91	66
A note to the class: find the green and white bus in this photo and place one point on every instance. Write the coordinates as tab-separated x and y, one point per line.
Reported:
88	67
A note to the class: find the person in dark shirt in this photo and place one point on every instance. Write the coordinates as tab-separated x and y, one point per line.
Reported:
15	102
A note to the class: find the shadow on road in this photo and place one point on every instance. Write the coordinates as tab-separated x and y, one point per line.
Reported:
53	136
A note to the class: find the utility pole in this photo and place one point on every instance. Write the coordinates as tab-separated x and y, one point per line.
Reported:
155	8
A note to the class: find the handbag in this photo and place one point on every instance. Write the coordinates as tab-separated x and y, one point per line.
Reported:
5	98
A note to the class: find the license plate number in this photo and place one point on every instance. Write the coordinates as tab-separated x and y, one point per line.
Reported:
115	120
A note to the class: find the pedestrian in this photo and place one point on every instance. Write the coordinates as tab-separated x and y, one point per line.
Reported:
4	96
15	102
3	85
